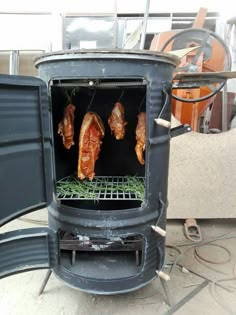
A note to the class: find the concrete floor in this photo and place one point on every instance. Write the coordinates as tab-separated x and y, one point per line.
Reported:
19	293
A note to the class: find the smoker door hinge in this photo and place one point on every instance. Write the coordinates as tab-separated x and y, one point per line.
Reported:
180	130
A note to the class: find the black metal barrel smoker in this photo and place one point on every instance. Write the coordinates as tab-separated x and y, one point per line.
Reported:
110	243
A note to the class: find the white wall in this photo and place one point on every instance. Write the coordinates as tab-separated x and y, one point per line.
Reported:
22	32
44	31
107	6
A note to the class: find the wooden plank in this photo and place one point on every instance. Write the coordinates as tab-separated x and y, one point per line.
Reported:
200	19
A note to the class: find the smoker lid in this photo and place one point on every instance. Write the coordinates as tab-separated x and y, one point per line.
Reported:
107	54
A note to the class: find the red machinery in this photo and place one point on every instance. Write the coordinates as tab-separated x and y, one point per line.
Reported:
211	55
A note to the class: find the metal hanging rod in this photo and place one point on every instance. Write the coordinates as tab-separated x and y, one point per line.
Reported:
101	85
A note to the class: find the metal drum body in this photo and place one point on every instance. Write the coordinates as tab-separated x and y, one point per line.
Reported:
95	273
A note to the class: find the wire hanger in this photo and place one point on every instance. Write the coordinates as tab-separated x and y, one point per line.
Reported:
69	96
141	103
121	95
91	101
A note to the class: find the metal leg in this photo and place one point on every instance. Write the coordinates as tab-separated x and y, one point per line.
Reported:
166	290
45	281
73	257
137	258
188	297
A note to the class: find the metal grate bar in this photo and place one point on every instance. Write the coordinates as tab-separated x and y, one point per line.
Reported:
101	188
101	245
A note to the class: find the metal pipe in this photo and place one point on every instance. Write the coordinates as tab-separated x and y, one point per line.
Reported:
224	116
116	26
224	109
143	36
14	62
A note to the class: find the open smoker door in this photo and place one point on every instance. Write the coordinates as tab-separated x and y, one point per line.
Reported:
25	172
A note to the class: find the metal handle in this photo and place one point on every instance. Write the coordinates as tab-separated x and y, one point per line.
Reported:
180	130
166	88
160	121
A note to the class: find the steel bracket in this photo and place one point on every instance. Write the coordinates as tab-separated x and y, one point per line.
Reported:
180	130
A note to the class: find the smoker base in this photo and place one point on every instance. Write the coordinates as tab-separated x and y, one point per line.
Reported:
104	272
102	286
99	266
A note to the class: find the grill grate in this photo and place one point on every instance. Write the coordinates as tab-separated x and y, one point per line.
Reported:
101	188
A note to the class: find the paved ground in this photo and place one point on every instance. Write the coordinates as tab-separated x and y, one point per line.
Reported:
18	294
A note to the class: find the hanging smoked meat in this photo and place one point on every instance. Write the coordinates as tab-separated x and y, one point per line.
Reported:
91	132
117	122
66	126
141	137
